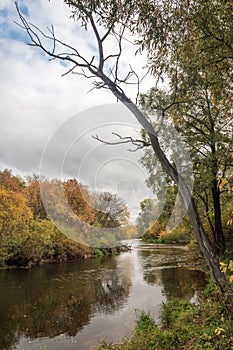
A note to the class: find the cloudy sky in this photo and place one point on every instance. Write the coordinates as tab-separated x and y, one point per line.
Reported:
47	121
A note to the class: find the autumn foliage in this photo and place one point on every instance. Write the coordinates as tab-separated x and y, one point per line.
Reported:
27	234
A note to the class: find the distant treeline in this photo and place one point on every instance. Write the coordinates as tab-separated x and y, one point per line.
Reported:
152	221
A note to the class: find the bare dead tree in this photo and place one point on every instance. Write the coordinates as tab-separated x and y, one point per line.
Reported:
98	67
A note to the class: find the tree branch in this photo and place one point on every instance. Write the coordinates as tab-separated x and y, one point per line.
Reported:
123	140
72	57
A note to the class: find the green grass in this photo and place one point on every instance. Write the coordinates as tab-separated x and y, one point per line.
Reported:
184	326
97	252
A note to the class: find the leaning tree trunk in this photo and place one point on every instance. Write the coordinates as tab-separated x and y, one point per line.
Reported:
204	243
202	238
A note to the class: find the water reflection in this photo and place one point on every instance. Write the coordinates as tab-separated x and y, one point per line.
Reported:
165	266
77	303
53	300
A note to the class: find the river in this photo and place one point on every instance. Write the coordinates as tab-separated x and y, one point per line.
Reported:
71	306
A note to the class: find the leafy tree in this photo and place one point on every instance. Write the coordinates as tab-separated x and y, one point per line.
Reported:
198	115
155	221
80	200
32	191
130	231
147	215
198	33
107	18
11	182
196	54
47	243
160	223
24	241
15	216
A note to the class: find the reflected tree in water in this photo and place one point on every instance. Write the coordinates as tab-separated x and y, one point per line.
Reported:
54	300
166	267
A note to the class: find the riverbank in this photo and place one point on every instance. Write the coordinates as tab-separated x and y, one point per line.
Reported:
30	207
64	250
205	326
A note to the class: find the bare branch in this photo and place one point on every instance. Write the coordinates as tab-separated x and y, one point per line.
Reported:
69	71
137	83
110	56
164	113
73	57
53	35
83	73
77	59
107	33
123	140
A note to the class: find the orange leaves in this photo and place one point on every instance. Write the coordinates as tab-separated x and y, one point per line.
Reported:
222	182
225	183
80	200
69	204
10	182
34	198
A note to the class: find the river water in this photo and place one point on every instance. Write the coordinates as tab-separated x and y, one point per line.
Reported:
71	306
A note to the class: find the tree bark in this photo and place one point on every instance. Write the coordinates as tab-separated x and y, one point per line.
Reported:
218	230
207	209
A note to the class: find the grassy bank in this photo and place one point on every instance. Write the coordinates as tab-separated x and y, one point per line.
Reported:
184	326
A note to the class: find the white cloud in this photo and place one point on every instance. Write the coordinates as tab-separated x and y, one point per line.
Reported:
35	100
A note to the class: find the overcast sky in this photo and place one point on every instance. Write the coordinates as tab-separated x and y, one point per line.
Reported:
47	121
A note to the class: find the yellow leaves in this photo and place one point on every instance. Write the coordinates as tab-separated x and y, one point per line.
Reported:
14	213
219	331
227	269
223	267
222	182
230	221
163	234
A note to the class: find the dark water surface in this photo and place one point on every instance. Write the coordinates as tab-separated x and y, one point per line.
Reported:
73	305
